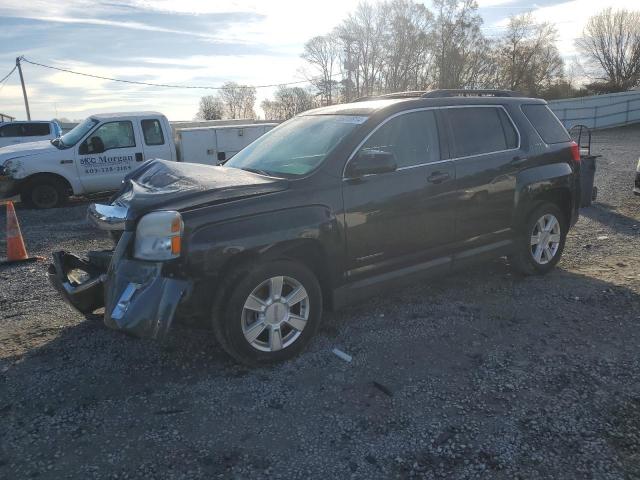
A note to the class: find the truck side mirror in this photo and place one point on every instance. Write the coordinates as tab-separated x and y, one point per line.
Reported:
370	161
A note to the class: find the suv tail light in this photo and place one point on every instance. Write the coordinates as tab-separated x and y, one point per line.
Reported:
575	152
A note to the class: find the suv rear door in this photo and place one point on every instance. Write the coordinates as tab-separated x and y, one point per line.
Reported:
394	219
485	146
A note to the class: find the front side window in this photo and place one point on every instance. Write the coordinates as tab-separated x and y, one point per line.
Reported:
116	135
297	146
152	132
411	137
478	130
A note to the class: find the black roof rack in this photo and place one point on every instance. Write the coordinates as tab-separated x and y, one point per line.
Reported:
443	93
463	92
410	94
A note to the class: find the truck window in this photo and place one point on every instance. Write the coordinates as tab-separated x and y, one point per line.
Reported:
152	132
11	130
116	135
412	137
36	129
477	130
546	123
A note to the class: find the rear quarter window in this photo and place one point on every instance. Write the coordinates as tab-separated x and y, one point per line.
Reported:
36	129
546	123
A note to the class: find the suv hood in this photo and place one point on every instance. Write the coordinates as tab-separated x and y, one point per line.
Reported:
160	184
20	150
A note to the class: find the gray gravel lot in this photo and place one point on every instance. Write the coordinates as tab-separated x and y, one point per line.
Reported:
484	374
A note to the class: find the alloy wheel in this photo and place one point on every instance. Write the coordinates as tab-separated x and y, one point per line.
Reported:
275	313
545	239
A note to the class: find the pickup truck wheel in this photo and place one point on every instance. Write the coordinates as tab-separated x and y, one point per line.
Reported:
540	242
269	314
44	193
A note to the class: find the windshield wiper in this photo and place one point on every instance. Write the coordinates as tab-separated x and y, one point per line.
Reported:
255	170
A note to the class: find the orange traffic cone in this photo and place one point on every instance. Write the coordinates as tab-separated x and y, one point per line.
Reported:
16	251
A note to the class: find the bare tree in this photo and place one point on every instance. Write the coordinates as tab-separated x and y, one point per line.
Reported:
211	108
238	100
528	60
408	41
611	41
459	44
288	102
322	53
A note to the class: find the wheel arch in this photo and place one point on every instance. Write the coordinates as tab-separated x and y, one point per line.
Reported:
44	175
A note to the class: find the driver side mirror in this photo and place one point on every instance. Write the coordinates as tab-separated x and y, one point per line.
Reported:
369	162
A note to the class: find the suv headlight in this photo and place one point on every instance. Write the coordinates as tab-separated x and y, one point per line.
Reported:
159	236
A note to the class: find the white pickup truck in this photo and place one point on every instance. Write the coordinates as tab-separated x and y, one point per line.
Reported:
97	154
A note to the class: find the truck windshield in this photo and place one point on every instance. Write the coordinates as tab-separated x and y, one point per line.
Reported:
297	146
73	136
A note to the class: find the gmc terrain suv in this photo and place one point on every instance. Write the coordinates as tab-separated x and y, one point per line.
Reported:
335	204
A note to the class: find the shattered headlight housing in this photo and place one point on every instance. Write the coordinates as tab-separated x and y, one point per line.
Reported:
159	236
8	167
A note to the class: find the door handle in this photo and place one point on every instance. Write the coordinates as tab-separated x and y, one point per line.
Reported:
517	160
438	177
139	157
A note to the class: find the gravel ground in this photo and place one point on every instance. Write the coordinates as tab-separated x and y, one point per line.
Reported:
483	374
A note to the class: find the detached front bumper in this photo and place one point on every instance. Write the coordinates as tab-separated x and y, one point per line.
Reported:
136	296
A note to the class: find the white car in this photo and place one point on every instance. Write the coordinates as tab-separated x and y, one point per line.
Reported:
23	132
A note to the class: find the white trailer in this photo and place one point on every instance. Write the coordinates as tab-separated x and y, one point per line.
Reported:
216	145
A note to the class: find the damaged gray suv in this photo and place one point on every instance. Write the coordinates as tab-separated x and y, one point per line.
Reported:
331	206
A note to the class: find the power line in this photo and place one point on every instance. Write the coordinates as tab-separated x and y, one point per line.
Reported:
204	87
8	74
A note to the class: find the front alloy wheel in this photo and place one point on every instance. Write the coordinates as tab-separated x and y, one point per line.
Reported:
275	314
267	313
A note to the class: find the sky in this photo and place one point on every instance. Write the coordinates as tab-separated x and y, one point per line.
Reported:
191	42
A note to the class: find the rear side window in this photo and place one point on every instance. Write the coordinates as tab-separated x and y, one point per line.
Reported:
152	132
36	129
546	123
478	130
412	137
11	130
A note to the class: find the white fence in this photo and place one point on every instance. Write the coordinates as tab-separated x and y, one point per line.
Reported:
599	111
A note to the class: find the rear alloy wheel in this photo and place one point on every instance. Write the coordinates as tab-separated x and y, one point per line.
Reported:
43	193
539	244
545	239
269	313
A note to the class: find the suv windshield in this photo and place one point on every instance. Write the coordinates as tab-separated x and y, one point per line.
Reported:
296	147
72	137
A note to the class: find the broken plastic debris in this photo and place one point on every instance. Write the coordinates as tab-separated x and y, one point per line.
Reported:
340	354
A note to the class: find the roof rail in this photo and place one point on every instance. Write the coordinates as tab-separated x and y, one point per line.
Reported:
409	94
462	92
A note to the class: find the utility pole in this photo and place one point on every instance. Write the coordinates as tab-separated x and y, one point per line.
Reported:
24	90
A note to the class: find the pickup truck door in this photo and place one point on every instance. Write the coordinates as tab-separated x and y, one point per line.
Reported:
399	218
107	154
157	142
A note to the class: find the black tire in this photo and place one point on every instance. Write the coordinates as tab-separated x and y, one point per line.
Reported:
44	192
523	257
229	316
